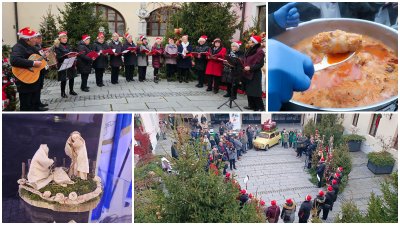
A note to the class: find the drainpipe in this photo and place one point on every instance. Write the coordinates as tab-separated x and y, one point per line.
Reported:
16	18
243	15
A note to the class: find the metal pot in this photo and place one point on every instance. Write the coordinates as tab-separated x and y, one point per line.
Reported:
378	31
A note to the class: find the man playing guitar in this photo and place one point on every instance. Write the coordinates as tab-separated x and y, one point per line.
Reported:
21	51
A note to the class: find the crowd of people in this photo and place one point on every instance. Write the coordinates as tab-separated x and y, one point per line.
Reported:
213	63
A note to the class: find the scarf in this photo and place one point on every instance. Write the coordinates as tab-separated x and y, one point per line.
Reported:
184	48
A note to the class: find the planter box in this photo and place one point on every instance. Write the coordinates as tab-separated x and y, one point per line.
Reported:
379	169
354	146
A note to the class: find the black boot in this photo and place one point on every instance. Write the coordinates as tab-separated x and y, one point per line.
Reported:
73	92
63	95
155	79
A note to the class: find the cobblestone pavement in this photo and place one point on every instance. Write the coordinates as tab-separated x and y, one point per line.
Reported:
136	96
277	174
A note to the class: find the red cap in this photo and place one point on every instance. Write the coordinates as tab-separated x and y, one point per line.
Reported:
217	40
256	39
26	32
158	38
203	37
340	169
308	198
100	35
262	202
227	175
142	37
250	195
273	202
243	191
237	43
289	201
127	35
330	188
334	181
321	193
85	37
337	175
62	33
322	159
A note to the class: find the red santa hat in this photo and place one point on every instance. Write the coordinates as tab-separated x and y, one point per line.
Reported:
62	34
127	35
217	40
243	191
142	37
262	203
27	33
337	175
340	169
330	188
289	201
202	38
321	193
100	35
236	43
85	37
256	39
250	195
322	159
334	182
308	198
158	38
273	202
227	175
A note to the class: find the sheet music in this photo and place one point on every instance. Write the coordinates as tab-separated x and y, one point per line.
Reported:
68	63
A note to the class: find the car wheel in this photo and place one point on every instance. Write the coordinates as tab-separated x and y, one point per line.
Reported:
266	148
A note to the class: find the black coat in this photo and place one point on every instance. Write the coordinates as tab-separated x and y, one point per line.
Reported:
102	61
234	71
201	63
61	50
321	170
116	61
174	152
130	58
20	53
184	63
254	86
84	62
329	199
305	210
336	189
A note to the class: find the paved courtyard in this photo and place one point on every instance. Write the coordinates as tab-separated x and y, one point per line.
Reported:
136	96
278	174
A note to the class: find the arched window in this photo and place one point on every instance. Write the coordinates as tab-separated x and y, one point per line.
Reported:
116	23
158	21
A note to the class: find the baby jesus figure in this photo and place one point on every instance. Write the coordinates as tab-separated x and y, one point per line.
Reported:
75	148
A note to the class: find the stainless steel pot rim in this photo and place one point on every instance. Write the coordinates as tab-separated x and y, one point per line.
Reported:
361	108
345	19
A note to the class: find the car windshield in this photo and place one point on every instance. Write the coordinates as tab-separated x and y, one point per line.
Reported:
263	135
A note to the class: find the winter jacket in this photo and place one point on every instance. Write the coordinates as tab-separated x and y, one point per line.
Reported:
254	58
174	152
101	62
237	144
305	210
184	62
272	213
215	66
84	62
321	170
130	58
232	153
20	53
168	52
116	61
201	63
234	70
143	59
319	202
330	198
336	189
156	59
61	52
288	212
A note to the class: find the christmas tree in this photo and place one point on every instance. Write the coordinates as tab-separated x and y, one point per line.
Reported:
80	18
48	28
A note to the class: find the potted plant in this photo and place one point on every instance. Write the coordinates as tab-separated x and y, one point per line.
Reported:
381	162
354	141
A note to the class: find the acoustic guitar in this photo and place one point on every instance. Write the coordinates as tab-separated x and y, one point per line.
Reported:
31	75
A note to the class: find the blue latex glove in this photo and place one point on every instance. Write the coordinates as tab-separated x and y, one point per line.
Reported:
287	16
288	71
